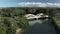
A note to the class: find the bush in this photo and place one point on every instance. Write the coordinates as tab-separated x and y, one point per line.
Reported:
10	23
23	22
3	28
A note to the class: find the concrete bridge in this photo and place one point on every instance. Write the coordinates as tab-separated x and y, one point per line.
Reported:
32	16
39	26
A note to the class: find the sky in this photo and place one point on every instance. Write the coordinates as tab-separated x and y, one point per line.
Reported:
20	3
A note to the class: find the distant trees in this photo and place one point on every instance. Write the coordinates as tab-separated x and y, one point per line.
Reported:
19	12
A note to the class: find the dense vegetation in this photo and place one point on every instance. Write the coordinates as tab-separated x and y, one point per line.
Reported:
13	18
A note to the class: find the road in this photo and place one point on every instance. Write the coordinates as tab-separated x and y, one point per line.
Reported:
40	27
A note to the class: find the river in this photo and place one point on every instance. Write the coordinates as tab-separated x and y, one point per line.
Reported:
40	27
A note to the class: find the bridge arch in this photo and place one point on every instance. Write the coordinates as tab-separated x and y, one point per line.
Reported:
32	16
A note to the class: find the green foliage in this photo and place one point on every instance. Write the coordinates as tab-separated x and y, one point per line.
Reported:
12	18
56	21
3	28
10	23
22	22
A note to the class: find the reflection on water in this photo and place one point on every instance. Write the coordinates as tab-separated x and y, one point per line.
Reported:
40	27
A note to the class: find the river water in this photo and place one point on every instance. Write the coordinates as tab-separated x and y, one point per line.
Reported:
40	27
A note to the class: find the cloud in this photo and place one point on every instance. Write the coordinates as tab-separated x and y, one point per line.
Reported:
37	4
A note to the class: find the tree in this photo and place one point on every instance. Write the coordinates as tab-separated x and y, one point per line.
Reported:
52	12
12	26
3	27
22	22
19	12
